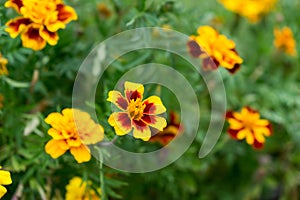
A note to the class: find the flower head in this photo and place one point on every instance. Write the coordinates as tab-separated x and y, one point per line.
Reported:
215	49
5	179
248	125
170	131
77	189
253	10
136	113
72	130
3	63
284	40
39	21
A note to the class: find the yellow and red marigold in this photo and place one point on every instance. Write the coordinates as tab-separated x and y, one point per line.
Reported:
3	63
248	125
5	179
40	21
72	130
77	189
253	10
136	113
284	40
170	131
214	49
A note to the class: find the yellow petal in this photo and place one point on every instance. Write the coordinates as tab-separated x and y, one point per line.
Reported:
56	148
155	121
141	132
154	106
5	178
121	123
235	124
81	153
117	98
2	191
133	90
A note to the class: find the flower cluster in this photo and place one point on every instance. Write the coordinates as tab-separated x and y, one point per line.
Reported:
248	125
136	113
172	129
284	40
5	179
72	130
77	189
3	63
39	21
215	49
253	10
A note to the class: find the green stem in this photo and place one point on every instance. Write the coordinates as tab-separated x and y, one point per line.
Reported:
102	184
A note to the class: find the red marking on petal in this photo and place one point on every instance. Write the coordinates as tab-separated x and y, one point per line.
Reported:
122	102
270	128
258	145
148	119
133	95
150	108
139	125
209	64
124	119
194	48
233	133
235	68
229	114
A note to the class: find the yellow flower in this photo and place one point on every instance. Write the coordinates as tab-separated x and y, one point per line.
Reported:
214	48
135	113
253	10
170	131
72	130
284	40
5	179
3	63
40	21
77	189
248	125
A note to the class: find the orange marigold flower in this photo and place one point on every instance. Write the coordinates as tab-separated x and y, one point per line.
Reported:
214	48
253	10
248	125
172	129
284	40
77	189
136	114
5	179
72	130
39	22
3	63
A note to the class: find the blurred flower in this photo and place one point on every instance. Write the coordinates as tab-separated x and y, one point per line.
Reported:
40	21
284	40
215	49
248	125
3	63
5	179
253	10
72	130
135	113
77	189
172	129
104	10
1	101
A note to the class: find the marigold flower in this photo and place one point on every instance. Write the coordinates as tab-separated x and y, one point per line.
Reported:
253	10
136	114
40	21
248	125
284	40
104	10
170	131
77	189
214	48
3	63
5	179
72	130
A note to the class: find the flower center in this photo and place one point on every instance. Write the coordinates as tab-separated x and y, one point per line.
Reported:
249	123
136	109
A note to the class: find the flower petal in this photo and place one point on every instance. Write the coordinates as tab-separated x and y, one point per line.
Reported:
5	178
15	4
117	98
154	106
244	133
66	13
121	122
50	37
155	121
133	90
141	130
2	191
235	124
55	134
56	148
81	153
31	37
16	26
